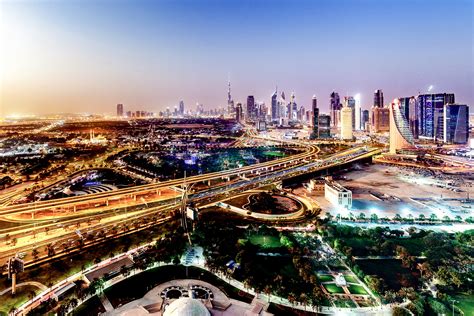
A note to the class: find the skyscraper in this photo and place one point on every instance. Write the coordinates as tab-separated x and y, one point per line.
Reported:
350	103
238	112
346	123
324	126
250	107
378	98
358	113
181	107
430	114
380	120
315	118
365	120
409	108
292	108
400	134
230	102
275	108
119	110
334	109
456	124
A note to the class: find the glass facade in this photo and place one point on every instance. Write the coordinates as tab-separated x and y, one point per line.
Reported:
456	123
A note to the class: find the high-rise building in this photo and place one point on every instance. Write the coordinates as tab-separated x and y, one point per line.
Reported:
275	108
358	113
400	133
346	123
324	126
378	99
315	118
119	110
334	109
282	105
456	124
365	120
238	112
230	101
251	107
181	107
431	112
380	120
350	103
409	108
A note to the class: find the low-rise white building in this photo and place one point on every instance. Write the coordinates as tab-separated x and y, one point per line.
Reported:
337	194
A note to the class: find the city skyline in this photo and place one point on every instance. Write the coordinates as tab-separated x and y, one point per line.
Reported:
72	57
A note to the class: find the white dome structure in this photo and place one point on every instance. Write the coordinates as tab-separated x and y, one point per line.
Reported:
186	307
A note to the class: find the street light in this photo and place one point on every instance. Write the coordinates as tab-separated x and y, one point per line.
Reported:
454	301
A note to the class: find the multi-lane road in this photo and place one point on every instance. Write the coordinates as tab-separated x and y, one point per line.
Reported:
61	223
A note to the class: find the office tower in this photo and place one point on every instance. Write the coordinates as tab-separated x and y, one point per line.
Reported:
409	108
430	114
358	113
119	110
301	114
400	133
380	120
315	118
293	108
378	99
250	107
324	126
230	102
365	120
282	105
238	112
275	108
456	124
261	111
334	109
181	107
350	103
346	123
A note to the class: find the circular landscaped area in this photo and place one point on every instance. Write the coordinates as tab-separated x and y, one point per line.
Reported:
267	203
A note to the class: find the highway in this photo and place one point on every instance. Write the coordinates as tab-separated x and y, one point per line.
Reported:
118	210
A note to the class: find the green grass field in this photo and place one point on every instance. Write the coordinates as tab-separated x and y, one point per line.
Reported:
7	301
333	289
351	279
357	289
466	303
265	241
325	278
344	303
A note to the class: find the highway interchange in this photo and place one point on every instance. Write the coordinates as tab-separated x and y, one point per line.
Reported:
69	224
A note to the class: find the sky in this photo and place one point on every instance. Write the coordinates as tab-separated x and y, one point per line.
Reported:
87	56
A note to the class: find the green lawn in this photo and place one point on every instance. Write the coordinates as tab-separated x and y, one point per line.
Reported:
7	301
466	303
357	289
344	303
325	278
351	279
333	288
265	241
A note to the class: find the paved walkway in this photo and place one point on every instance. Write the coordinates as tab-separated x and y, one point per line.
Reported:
106	303
41	286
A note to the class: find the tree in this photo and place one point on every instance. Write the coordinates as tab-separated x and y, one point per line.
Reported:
35	253
400	311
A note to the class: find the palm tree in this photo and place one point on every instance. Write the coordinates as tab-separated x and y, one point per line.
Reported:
304	300
267	290
291	298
